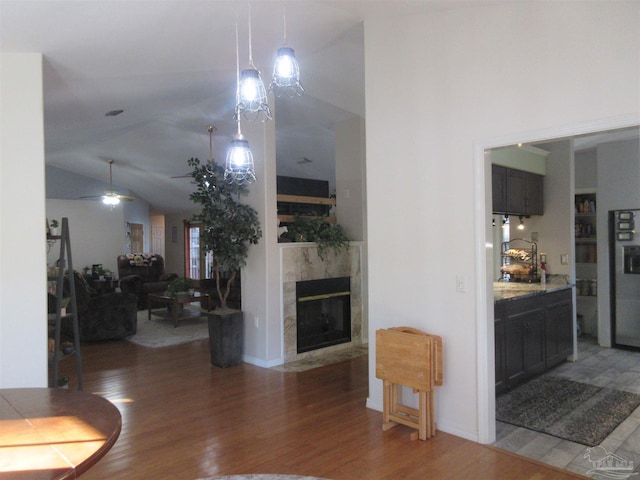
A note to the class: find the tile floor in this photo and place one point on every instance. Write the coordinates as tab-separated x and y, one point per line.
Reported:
606	367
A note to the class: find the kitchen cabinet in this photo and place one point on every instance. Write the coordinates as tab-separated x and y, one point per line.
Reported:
532	335
558	328
501	379
499	188
516	192
524	337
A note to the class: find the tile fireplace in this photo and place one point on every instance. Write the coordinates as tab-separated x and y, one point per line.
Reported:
323	313
300	265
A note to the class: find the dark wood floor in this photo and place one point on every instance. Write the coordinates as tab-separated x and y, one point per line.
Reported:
184	419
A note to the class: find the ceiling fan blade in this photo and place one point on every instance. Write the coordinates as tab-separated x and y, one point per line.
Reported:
111	192
188	175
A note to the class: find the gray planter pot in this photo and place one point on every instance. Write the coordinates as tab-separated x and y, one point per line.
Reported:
226	338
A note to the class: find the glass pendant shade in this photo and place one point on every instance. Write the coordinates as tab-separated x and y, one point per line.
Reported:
239	164
286	74
252	95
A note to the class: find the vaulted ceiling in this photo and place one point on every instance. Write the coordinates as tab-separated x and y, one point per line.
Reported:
170	65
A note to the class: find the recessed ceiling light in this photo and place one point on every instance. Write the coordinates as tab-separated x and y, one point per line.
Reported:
113	113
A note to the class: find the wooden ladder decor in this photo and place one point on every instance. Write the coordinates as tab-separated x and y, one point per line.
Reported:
408	357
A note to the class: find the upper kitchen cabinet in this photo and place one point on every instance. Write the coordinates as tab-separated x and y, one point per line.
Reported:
516	192
499	188
517	180
524	193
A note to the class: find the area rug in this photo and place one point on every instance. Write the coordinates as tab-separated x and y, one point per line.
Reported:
574	411
160	331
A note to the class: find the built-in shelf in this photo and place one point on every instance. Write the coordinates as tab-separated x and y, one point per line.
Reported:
302	199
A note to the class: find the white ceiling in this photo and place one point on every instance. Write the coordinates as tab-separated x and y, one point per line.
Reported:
171	66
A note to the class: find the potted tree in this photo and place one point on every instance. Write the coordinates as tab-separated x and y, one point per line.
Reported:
228	227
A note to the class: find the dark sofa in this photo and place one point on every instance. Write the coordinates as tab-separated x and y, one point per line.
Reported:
109	316
141	274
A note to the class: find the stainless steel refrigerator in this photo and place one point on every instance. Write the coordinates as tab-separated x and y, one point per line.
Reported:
625	277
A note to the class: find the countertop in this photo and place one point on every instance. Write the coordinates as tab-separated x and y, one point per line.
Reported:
505	291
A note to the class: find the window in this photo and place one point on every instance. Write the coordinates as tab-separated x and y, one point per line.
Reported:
198	264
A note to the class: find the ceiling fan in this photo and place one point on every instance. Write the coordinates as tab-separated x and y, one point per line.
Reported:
211	129
111	197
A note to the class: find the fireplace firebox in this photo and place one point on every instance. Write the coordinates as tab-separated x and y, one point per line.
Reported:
323	309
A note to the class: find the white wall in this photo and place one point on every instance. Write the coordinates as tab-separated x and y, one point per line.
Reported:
174	244
96	232
555	228
261	285
23	331
486	76
350	177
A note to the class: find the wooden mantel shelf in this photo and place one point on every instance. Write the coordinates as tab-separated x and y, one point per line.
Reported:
307	200
304	199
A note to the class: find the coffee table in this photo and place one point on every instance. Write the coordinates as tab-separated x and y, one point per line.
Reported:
176	303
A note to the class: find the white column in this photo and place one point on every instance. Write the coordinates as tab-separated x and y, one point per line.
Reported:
23	260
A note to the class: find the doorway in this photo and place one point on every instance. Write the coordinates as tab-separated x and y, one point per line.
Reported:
137	237
589	347
484	271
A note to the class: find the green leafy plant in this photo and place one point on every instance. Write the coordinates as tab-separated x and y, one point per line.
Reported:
315	229
65	302
178	285
228	226
54	223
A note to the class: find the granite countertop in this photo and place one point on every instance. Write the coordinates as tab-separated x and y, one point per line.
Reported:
504	291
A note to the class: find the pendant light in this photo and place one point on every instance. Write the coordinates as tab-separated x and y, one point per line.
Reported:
286	71
252	100
110	198
239	167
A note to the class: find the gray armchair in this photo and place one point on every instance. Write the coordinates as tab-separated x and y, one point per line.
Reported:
141	274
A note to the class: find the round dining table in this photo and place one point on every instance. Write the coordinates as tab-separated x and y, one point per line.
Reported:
48	433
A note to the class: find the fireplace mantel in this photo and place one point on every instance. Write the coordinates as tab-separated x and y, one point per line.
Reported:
299	262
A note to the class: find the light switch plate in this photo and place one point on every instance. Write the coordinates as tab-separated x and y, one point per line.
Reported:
564	259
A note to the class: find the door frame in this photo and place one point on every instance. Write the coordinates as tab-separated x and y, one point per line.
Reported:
485	345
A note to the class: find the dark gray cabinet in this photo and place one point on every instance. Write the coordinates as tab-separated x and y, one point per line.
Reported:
532	335
558	327
499	188
516	192
524	336
501	378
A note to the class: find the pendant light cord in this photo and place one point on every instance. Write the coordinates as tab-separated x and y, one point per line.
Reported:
237	113
284	22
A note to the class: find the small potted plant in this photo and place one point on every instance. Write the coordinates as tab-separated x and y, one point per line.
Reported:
63	306
179	287
315	229
53	227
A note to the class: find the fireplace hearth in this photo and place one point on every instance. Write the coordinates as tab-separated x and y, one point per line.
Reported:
323	313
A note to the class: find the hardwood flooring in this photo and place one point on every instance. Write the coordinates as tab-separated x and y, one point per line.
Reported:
184	419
